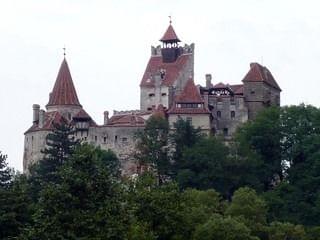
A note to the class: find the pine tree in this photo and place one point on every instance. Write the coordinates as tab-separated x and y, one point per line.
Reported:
5	172
60	144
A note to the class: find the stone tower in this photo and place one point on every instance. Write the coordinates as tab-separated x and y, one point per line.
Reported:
260	89
63	106
169	68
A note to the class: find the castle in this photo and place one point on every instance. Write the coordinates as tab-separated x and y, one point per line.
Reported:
167	88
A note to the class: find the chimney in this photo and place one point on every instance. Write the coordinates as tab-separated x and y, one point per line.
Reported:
208	80
41	118
106	117
36	108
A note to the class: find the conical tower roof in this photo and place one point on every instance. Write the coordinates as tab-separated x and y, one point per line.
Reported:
64	92
170	35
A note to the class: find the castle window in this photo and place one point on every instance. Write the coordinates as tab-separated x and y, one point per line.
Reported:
232	114
218	114
116	138
225	132
232	101
95	138
163	94
151	94
252	91
69	116
85	138
105	139
149	108
124	139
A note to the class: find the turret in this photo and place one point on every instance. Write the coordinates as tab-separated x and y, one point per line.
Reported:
170	45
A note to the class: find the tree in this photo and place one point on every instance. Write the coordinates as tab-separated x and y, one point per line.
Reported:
258	143
86	204
203	166
5	172
60	144
252	209
280	231
152	146
14	201
157	207
297	198
223	228
184	136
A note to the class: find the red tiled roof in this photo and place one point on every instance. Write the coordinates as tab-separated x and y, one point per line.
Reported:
159	111
170	35
190	94
126	120
83	115
220	85
172	70
258	73
63	92
237	88
50	118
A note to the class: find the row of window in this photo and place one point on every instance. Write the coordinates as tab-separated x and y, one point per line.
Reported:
232	114
152	94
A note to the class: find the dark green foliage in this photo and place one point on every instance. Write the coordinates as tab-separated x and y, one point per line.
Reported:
14	202
5	172
86	204
223	228
183	137
203	165
258	143
152	146
157	207
60	144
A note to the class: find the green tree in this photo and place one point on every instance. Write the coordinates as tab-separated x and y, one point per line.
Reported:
14	201
203	166
5	172
223	228
184	136
258	143
152	146
297	198
280	231
86	204
251	208
156	207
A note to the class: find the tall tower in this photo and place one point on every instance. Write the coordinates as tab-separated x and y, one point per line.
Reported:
260	89
169	68
63	107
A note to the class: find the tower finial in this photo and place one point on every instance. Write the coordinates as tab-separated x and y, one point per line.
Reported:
64	51
170	21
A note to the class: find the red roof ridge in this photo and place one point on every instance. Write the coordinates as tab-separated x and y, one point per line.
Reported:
190	93
259	73
64	92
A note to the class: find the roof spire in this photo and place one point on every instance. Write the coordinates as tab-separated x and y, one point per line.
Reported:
64	51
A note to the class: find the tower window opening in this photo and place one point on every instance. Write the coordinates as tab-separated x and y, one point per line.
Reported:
232	114
218	114
105	139
225	132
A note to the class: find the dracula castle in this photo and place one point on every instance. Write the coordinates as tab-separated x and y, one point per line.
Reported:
167	88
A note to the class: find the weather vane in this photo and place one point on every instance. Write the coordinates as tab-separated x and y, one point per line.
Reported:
64	51
170	19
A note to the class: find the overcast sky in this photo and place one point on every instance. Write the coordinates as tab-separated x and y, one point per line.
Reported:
108	46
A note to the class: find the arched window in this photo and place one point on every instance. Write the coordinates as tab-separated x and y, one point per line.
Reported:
218	114
232	114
